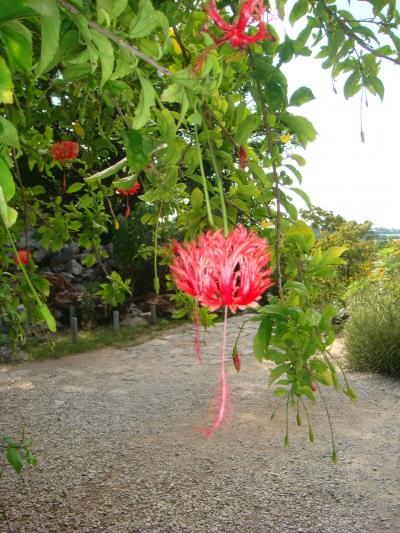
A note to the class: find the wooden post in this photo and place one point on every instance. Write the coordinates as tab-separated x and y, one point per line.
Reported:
153	314
116	322
74	330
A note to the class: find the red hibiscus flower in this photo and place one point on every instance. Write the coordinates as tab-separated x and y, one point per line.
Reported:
221	271
128	192
62	152
251	11
22	258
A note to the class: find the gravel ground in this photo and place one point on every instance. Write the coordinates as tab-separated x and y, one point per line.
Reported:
113	433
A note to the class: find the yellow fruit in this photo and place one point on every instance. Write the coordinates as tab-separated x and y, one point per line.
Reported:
175	44
285	138
266	224
79	130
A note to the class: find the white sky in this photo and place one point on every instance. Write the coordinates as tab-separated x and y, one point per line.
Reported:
358	181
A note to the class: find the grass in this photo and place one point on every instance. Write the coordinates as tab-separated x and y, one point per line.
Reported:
60	345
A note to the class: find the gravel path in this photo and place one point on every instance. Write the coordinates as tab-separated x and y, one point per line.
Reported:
113	433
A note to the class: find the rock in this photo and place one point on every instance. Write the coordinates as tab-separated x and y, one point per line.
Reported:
62	257
89	274
73	267
58	268
67	276
74	248
7	355
134	322
40	256
109	248
134	310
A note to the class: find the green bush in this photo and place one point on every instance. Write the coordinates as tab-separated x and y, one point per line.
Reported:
373	330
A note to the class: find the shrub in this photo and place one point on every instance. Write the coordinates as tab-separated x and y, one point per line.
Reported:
373	330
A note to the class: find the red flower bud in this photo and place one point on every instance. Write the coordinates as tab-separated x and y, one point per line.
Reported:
236	360
243	160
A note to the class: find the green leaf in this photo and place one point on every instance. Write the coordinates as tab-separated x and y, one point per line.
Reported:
297	287
18	42
6	181
196	199
144	22
286	50
50	29
262	338
352	85
15	9
301	96
8	133
275	310
299	159
48	317
146	100
275	84
76	72
375	85
138	149
302	195
150	47
6	84
14	458
7	213
301	127
246	128
295	171
106	54
280	391
299	9
277	372
75	187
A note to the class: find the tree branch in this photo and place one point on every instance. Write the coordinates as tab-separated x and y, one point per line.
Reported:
116	39
349	32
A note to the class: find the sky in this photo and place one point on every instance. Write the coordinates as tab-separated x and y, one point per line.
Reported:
358	181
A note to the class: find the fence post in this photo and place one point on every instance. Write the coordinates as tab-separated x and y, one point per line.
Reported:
153	314
74	330
116	322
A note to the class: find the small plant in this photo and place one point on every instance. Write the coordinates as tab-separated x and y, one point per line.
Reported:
113	293
18	453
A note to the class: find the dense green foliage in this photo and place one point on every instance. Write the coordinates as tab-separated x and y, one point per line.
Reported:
373	330
359	249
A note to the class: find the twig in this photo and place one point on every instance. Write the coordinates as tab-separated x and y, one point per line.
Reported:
116	39
182	46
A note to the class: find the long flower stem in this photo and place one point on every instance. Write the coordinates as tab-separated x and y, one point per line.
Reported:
218	178
204	179
223	387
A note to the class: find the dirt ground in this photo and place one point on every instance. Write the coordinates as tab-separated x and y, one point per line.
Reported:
113	433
